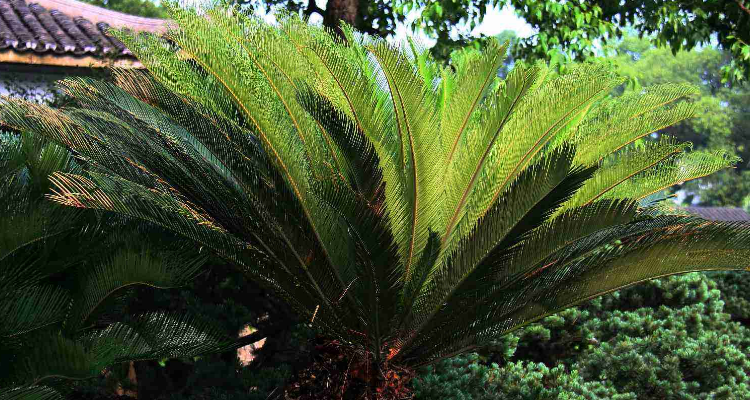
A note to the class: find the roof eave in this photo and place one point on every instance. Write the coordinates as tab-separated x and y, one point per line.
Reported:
59	60
113	18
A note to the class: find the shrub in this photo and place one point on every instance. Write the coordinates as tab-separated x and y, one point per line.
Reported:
664	339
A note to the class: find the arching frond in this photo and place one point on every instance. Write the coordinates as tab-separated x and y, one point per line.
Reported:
127	267
31	393
620	121
147	336
32	308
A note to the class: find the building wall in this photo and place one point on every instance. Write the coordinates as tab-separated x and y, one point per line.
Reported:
37	82
33	85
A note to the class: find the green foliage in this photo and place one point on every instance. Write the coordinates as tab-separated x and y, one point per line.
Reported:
722	122
65	273
735	290
384	196
224	296
727	188
566	30
466	378
573	27
143	8
665	339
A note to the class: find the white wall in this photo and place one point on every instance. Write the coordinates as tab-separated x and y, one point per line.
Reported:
28	82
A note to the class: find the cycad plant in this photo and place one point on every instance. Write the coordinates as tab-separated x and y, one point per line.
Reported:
409	211
66	275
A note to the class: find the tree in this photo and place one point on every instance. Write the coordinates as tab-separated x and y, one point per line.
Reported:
408	210
574	27
143	8
566	29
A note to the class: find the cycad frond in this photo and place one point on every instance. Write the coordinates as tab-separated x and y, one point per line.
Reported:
466	168
127	267
31	393
407	210
413	200
148	336
580	271
620	121
32	308
624	165
57	271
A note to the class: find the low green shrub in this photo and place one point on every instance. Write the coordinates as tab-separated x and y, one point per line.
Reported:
735	291
666	339
467	378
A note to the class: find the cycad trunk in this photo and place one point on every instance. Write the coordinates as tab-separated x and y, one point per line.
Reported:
340	372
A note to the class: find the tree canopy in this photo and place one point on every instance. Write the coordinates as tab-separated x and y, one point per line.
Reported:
574	27
143	8
565	29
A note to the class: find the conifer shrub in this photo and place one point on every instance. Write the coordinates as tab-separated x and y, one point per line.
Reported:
735	290
467	378
665	339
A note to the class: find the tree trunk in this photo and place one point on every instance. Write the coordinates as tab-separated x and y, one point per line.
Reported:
340	10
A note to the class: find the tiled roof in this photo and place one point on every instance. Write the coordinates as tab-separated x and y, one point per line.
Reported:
55	30
720	213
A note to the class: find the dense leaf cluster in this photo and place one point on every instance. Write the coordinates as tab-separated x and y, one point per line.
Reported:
666	339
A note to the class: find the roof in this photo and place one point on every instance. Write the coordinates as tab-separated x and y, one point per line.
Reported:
720	213
66	33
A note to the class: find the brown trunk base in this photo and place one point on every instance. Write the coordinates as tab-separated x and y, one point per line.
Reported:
343	373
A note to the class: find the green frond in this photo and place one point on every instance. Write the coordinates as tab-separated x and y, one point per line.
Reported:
465	92
30	393
688	166
173	69
591	273
127	267
466	171
31	308
711	246
563	98
33	232
161	208
528	203
356	156
271	107
148	336
566	228
620	121
234	146
413	207
28	245
60	358
619	168
376	261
